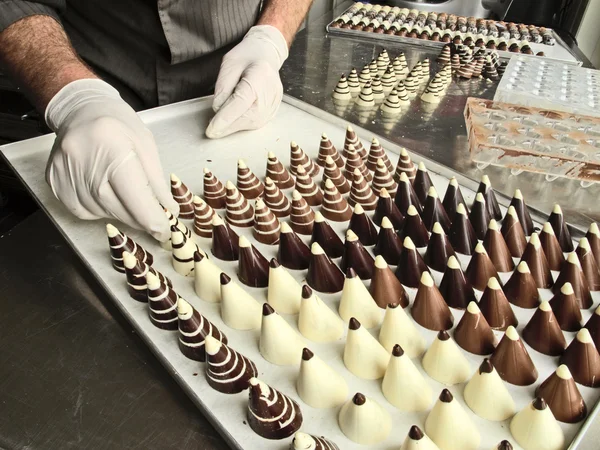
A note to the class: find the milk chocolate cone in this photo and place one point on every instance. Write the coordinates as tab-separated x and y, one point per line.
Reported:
298	158
328	239
266	226
551	247
593	236
302	216
356	257
495	307
377	152
513	233
214	191
253	267
183	196
589	264
307	188
461	234
323	275
453	198
194	328
433	212
410	265
429	308
497	249
247	183
224	241
566	309
422	183
406	196
326	148
352	141
363	226
277	173
353	162
385	287
512	361
561	230
455	288
493	208
562	396
382	178
203	215
275	200
522	212
406	166
480	268
335	207
479	217
415	228
361	193
389	244
333	173
572	273
119	242
473	333
162	303
439	249
593	326
582	359
520	289
239	212
543	333
292	252
387	208
538	264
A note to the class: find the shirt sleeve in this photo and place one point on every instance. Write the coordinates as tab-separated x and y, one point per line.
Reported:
13	10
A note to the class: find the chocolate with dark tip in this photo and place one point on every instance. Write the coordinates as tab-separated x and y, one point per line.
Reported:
292	253
479	217
582	359
473	333
415	433
443	335
387	208
486	366
353	324
328	239
323	275
513	233
253	267
410	266
521	289
453	198
224	241
422	183
539	404
389	244
538	264
359	399
433	212
551	247
505	445
561	230
462	234
357	257
566	309
497	249
495	307
439	249
267	309
480	269
543	333
363	226
562	396
307	354
446	396
406	196
397	351
414	228
589	264
572	273
512	361
491	202
455	288
429	308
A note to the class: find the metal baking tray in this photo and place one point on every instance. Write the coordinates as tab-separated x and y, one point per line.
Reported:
179	132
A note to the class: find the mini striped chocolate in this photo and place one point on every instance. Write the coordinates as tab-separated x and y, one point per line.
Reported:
136	272
335	207
214	191
405	165
227	371
162	304
326	148
183	196
302	216
278	203
307	188
382	178
377	152
247	183
361	193
119	242
353	140
278	173
183	253
353	161
299	158
203	215
193	330
239	212
266	226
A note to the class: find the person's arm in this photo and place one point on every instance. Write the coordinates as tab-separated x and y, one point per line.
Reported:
284	15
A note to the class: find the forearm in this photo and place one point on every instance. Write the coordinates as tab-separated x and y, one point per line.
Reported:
285	15
37	54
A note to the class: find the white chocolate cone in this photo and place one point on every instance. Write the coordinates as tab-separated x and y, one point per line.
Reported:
284	292
316	320
367	423
444	361
403	385
318	384
399	328
537	429
239	310
279	343
487	396
363	354
417	440
207	282
183	253
357	302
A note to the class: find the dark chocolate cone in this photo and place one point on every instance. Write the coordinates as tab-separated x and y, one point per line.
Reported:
214	191
493	208
479	217
328	239
543	333
406	196
512	361
551	247
278	173
406	166
462	235
302	216
298	158
538	265
387	208
520	289
183	196
497	249
353	142
193	330
513	233
247	183
522	212
480	268
561	230
227	371
377	152
429	308
361	193
589	264
333	173
119	242
410	266
433	212
239	212
307	188
389	244
266	225
357	257
385	287
593	236
582	359
382	178
292	252
566	309
414	228
593	326
572	273
203	215
323	275
455	288
495	307
453	198
473	333
562	396
335	207
422	183
253	267
363	226
136	272
224	241
162	303
439	249
326	148
275	200
353	162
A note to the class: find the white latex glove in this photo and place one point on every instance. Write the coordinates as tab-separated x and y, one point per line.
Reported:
249	90
104	162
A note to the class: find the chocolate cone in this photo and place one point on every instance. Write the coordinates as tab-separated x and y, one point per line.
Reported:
593	326
306	441
382	178
429	308
361	193
513	233
551	247
328	239
512	361
561	230
253	267
224	241
292	252
119	242
562	396
227	371
453	198
543	333
538	265
415	228
278	173
410	265
522	212
354	161
422	183
203	215
194	328
495	307
462	234
136	272
356	257
377	152
335	207
302	216
582	359
455	288
323	275
387	208
162	301
363	226
406	196
214	191
307	188
493	208
275	200
389	244
266	226
479	217
183	196
566	309
332	172
299	158
174	221
247	183
593	236
480	268
439	249
497	249
239	212
385	287
352	142
406	166
473	332
520	289
589	264
572	273
326	148
433	211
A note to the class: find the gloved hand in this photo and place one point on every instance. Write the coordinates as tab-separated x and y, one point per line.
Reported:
104	162
249	90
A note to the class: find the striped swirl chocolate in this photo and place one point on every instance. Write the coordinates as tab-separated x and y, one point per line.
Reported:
119	242
194	328
227	371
